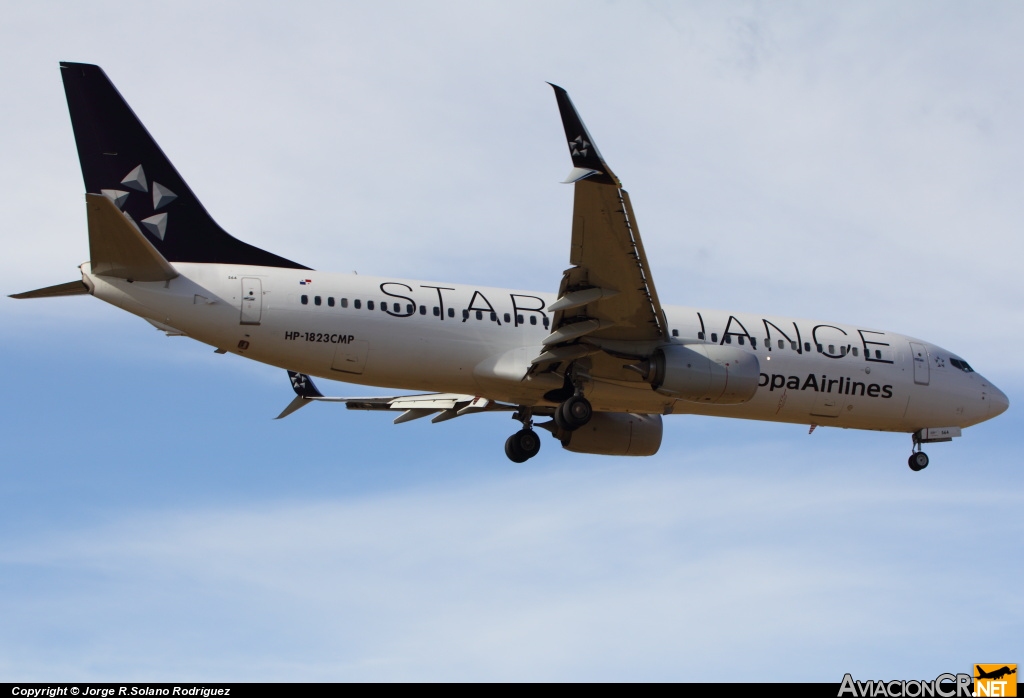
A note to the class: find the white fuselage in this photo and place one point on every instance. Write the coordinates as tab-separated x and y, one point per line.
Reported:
415	335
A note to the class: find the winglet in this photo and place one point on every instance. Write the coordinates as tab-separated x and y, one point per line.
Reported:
305	392
587	162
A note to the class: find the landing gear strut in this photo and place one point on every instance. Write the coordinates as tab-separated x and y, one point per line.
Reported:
918	460
525	443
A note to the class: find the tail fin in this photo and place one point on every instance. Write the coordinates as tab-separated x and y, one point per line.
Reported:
122	161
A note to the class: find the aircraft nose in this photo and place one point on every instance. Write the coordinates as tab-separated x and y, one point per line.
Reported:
997	402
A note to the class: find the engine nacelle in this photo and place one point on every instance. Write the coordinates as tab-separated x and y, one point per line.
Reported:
715	373
617	434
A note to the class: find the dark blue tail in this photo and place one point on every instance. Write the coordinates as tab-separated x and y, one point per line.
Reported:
121	160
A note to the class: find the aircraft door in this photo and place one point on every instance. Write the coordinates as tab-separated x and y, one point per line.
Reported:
919	355
252	301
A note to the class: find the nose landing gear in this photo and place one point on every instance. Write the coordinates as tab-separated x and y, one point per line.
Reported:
918	461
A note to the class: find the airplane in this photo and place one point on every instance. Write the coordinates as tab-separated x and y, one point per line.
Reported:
602	360
995	674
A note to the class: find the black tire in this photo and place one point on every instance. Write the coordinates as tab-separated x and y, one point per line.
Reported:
513	451
918	461
528	442
560	420
576	411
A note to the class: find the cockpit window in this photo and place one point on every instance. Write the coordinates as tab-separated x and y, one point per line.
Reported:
962	365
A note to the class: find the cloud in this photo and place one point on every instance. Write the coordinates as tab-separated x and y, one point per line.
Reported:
662	572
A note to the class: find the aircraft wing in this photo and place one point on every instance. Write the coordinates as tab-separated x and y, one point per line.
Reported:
444	406
607	297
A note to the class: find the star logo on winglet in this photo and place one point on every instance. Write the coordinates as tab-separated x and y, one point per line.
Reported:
579	146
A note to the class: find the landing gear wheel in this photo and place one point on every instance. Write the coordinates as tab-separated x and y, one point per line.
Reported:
918	461
575	412
522	446
560	420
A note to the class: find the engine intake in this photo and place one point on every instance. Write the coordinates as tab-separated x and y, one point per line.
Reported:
714	373
617	434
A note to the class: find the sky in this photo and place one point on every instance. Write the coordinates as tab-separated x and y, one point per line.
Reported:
855	162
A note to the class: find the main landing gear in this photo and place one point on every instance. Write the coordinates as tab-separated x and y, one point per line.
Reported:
569	416
522	446
573	413
525	443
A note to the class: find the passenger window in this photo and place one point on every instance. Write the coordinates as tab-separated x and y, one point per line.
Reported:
831	348
878	353
782	345
369	305
740	340
479	315
842	351
384	306
675	333
437	311
508	318
807	346
344	302
714	336
451	312
820	350
728	339
316	300
330	301
796	347
465	314
753	342
304	299
357	304
519	319
546	322
855	351
410	309
700	335
533	319
494	317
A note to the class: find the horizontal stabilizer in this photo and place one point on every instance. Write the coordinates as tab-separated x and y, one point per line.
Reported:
117	246
449	405
71	288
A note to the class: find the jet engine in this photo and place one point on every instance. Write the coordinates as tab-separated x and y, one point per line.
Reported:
715	373
616	434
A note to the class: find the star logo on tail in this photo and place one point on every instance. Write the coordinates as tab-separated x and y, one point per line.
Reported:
136	180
